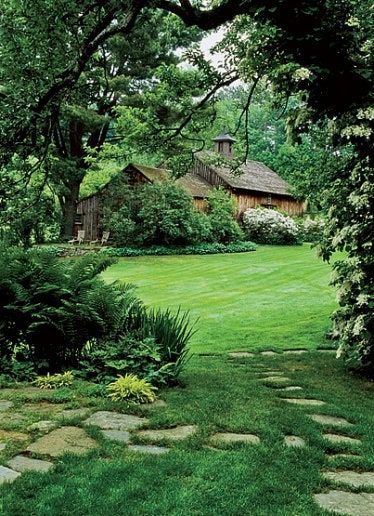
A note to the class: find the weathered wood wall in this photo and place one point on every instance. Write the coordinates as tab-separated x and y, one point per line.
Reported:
207	173
89	211
283	203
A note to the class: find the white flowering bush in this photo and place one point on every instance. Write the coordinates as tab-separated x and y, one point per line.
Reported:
265	226
311	230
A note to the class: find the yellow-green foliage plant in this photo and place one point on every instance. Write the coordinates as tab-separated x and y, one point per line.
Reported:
55	381
132	388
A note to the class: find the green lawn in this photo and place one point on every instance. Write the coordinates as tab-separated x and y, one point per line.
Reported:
276	297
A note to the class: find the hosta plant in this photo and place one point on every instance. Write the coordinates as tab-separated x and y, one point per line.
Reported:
132	388
55	381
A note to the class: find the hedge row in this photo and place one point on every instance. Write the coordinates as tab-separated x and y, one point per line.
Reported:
239	247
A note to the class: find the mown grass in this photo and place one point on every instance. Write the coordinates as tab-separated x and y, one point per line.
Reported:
275	297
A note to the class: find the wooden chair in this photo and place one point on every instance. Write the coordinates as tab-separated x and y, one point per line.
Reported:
105	237
79	239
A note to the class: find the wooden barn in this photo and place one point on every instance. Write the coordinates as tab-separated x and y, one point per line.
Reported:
254	185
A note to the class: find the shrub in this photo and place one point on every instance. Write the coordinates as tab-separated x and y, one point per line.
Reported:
132	388
221	210
206	248
311	230
265	226
55	381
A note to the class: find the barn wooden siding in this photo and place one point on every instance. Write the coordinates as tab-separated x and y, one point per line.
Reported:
255	200
208	174
88	217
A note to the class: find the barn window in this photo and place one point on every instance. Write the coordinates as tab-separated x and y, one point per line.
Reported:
78	218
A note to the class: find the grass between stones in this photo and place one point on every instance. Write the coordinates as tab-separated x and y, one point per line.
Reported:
220	395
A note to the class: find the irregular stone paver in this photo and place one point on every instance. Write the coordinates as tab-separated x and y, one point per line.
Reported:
42	426
10	435
352	478
268	353
330	351
120	436
228	437
115	421
291	388
295	351
329	420
43	407
80	412
341	502
240	354
336	438
293	441
12	417
21	463
276	379
2	446
304	401
154	450
173	434
271	373
5	405
62	440
7	475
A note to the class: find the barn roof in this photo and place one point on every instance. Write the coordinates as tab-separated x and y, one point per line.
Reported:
255	176
191	183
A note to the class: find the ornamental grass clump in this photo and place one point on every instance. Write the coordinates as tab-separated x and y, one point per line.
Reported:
266	226
131	388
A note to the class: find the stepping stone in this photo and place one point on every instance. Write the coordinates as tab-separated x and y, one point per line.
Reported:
330	351
155	404
304	401
5	405
352	478
276	379
291	388
173	434
228	437
153	450
10	435
341	502
295	351
2	446
241	354
43	407
12	417
335	438
68	439
329	420
42	426
80	412
272	373
120	436
115	421
293	441
7	475
21	463
268	353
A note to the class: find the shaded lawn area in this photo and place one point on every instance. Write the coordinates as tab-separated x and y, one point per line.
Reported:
275	297
220	394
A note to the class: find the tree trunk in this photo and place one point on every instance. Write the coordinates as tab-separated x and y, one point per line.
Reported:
69	207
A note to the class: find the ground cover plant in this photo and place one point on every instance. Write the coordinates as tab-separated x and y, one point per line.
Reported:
275	297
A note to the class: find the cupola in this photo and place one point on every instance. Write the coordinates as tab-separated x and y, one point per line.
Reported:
224	143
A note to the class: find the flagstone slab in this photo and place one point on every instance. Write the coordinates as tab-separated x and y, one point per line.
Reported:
10	435
333	456
291	388
5	405
329	351
2	447
68	439
21	463
276	379
241	354
295	351
42	426
342	502
351	478
115	421
120	436
271	373
341	439
177	433
293	441
7	475
12	417
228	438
43	407
268	353
304	401
79	412
330	420
153	450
